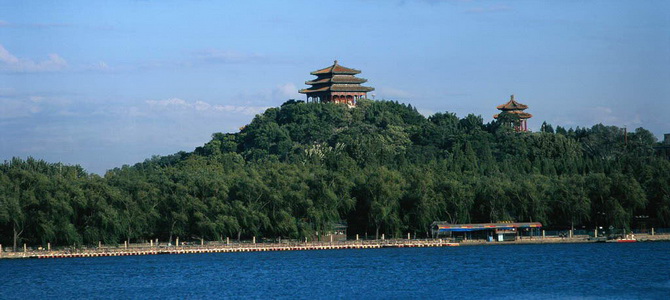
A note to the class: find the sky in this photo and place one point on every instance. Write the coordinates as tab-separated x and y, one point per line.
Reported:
102	84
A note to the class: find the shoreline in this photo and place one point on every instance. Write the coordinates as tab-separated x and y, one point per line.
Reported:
237	247
267	247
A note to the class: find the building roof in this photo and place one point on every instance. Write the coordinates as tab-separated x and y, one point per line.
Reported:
446	227
337	79
336	69
512	105
337	88
518	113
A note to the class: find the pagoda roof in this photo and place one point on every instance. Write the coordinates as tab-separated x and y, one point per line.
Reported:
337	88
518	113
512	105
336	69
337	79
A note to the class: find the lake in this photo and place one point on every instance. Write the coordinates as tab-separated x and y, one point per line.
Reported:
635	270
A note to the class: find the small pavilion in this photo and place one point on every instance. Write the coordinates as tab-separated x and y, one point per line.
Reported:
514	111
336	84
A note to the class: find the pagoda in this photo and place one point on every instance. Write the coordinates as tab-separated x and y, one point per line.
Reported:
515	114
336	84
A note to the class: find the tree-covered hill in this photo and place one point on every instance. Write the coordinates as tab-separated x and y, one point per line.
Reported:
382	167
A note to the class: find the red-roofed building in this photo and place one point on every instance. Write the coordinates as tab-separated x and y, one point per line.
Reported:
336	84
514	111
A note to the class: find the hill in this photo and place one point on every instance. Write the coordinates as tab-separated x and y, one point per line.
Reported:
382	167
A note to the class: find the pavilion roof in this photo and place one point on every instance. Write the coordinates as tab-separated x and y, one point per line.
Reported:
512	105
337	88
337	79
518	113
336	69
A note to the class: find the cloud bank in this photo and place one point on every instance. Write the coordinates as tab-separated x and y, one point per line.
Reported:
11	63
176	104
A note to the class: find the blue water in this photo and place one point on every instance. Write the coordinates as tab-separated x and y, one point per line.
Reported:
640	270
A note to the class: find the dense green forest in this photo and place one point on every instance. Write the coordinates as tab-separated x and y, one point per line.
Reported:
381	167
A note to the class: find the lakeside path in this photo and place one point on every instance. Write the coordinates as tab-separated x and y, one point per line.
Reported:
264	247
235	247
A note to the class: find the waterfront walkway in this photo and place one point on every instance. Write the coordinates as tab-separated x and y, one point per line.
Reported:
219	247
237	247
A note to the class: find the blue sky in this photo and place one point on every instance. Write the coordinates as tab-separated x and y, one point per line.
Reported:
107	83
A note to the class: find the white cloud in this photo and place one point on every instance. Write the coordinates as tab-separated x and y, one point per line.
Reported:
194	59
425	112
286	91
173	102
99	66
14	105
7	57
11	63
11	108
36	99
589	116
606	115
176	104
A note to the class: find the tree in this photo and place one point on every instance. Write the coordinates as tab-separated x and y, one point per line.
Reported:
384	190
546	128
570	200
296	170
20	201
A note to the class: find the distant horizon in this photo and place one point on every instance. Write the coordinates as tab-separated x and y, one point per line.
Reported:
104	85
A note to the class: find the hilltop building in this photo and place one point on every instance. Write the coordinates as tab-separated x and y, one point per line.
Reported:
337	84
514	112
663	148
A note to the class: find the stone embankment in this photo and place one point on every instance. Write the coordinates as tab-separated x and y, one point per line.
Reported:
261	247
145	249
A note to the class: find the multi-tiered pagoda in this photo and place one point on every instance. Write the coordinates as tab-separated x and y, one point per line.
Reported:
336	84
513	113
